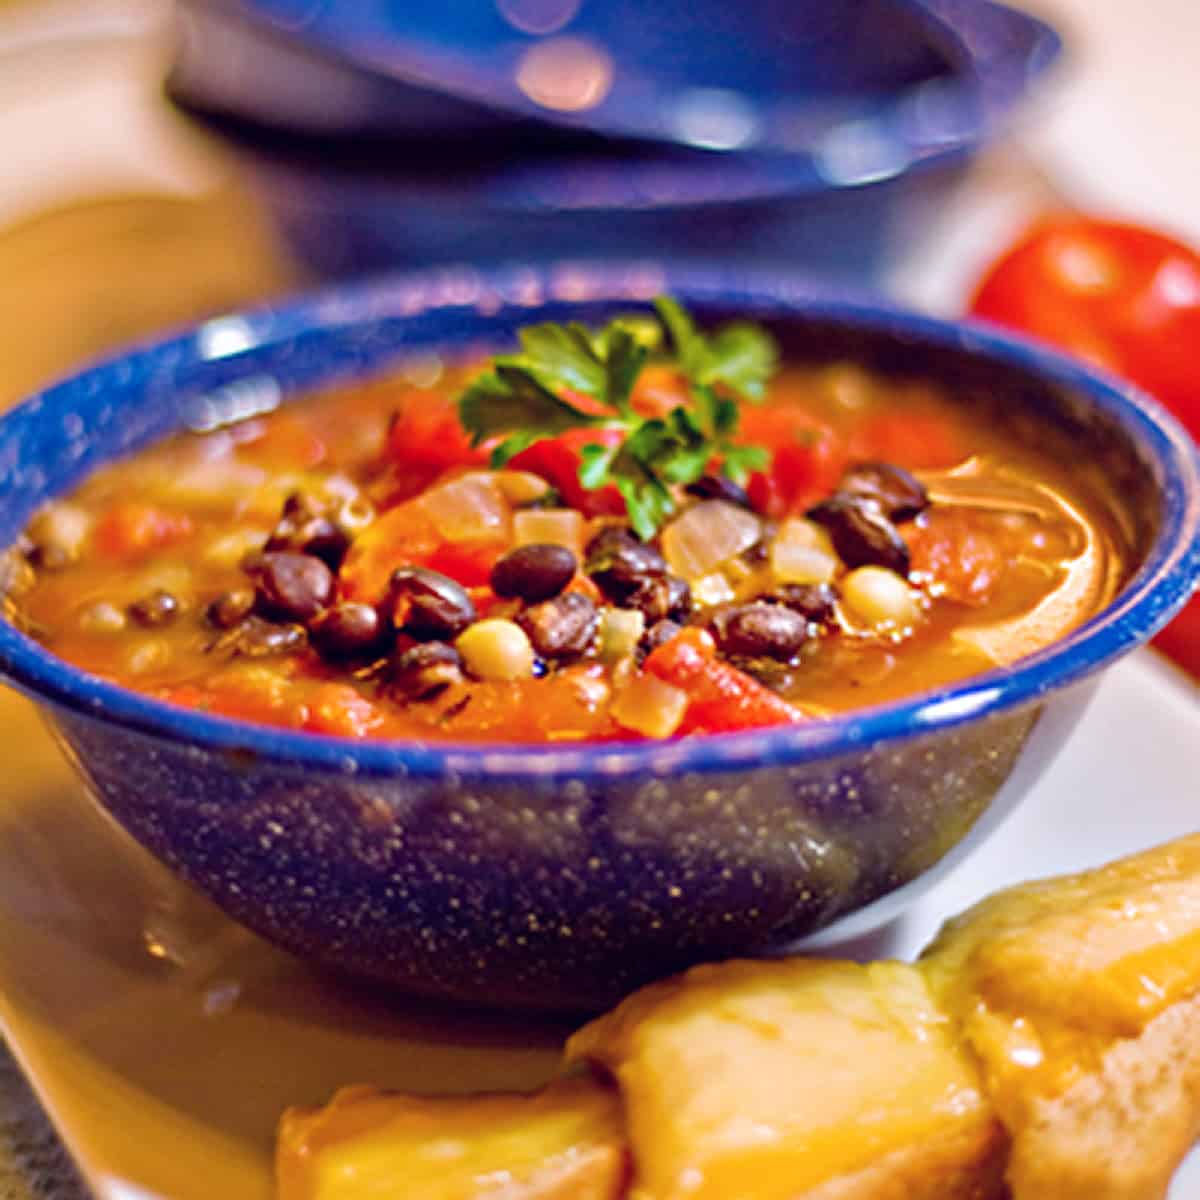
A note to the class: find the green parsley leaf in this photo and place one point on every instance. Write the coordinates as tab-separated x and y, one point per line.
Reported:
519	402
562	356
510	400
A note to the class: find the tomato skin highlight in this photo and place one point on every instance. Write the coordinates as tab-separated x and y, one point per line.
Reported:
1124	298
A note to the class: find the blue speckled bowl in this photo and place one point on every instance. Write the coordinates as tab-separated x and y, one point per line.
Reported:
562	876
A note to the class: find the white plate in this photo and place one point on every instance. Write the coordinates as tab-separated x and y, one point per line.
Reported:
165	1041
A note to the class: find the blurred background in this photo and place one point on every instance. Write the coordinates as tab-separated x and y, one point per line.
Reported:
165	161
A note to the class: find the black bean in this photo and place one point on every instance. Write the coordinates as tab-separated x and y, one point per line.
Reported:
422	671
659	597
657	635
563	627
319	537
610	539
898	493
290	587
258	638
428	605
760	631
623	567
862	535
229	608
813	601
348	630
157	609
534	572
718	487
323	528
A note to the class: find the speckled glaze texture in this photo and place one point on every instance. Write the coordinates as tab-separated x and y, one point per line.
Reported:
559	877
840	170
562	893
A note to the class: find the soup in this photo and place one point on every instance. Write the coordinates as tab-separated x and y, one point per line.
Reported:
509	550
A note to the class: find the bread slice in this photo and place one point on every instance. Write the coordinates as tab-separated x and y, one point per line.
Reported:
801	1078
1080	997
562	1143
1046	1047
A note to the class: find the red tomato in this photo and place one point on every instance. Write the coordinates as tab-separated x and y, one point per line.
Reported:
557	461
1117	295
1120	296
807	458
428	433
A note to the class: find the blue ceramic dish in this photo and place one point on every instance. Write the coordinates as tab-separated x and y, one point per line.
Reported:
792	81
848	199
757	75
562	876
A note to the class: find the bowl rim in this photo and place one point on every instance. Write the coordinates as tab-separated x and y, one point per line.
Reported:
1160	587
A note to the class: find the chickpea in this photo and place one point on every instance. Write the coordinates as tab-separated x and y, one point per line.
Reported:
880	599
496	649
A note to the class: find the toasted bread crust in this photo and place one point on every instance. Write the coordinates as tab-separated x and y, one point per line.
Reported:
1120	1132
968	1165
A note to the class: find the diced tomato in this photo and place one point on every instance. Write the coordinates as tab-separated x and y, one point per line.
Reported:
721	698
403	534
406	536
131	530
951	549
339	710
427	432
468	562
557	461
807	459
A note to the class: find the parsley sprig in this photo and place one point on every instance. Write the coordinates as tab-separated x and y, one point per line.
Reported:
520	400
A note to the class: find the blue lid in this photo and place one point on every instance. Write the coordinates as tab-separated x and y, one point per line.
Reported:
770	76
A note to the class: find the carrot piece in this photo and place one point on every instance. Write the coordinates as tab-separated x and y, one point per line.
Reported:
721	698
337	709
132	529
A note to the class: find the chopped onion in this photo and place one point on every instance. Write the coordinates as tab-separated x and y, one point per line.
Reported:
520	487
620	631
650	706
712	589
803	553
553	526
707	535
469	508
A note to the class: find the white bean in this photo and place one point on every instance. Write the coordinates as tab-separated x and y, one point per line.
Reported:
496	649
880	599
